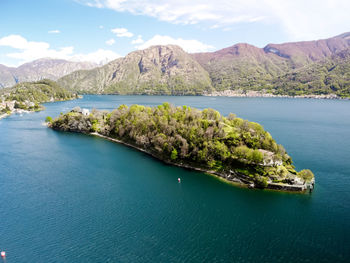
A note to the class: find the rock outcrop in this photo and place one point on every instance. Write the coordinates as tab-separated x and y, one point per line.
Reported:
155	70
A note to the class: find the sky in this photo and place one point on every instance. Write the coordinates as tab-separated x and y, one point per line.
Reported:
103	30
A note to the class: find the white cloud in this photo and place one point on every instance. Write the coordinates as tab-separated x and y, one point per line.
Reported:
190	46
101	56
122	32
19	42
30	50
312	19
187	12
54	31
110	42
138	40
100	27
300	19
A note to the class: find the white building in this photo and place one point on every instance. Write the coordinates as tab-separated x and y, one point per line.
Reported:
85	112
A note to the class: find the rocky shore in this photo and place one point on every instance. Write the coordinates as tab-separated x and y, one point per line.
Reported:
232	177
14	111
3	115
8	108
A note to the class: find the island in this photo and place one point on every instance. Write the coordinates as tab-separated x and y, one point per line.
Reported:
235	150
28	96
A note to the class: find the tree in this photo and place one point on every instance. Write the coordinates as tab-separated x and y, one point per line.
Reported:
261	181
48	119
173	154
306	174
256	156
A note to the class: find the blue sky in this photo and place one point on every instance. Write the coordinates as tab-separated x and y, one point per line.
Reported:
101	30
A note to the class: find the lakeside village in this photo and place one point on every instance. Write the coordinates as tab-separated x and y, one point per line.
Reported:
8	107
27	97
265	94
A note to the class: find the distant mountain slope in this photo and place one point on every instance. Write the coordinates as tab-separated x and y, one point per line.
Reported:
331	75
6	76
305	52
241	65
249	67
40	69
155	70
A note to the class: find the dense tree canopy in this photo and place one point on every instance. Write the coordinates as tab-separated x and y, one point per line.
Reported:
40	91
186	135
29	95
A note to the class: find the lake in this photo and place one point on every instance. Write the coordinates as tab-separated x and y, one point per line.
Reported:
68	197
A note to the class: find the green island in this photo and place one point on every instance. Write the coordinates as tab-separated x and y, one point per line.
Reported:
234	149
28	96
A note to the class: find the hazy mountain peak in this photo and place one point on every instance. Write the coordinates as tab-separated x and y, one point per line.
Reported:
40	69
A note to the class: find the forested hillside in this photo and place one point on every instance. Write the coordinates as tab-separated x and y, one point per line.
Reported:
29	95
331	75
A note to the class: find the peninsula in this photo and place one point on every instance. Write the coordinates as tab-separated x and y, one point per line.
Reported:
28	96
234	149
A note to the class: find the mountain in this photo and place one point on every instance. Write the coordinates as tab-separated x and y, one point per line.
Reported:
40	69
330	75
248	67
155	70
7	78
296	68
241	66
305	52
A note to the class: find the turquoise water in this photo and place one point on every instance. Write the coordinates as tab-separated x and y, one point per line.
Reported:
73	198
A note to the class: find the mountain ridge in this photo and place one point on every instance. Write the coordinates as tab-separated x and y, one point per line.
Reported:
169	70
155	70
241	66
246	66
43	68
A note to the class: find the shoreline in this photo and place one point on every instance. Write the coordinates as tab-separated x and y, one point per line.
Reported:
231	178
234	95
42	107
2	116
17	111
258	94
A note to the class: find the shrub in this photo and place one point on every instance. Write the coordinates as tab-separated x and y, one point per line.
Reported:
173	155
48	119
261	181
306	174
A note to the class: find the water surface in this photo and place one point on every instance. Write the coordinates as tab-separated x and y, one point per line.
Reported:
73	198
